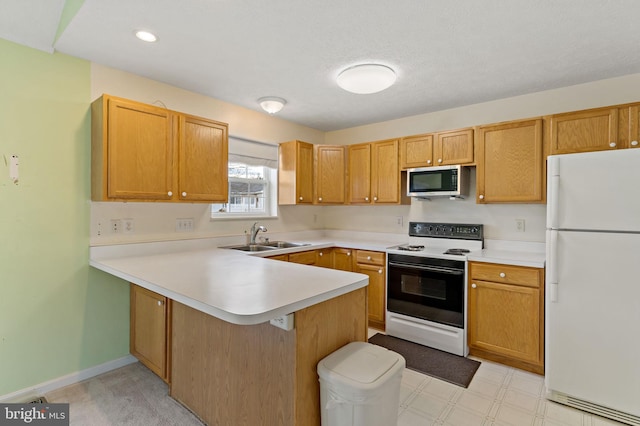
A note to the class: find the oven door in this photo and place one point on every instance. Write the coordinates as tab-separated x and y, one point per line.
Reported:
431	289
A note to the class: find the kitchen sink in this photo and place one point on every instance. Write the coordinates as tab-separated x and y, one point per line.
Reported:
251	247
283	244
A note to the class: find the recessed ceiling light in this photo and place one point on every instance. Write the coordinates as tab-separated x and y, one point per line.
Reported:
272	104
146	36
366	78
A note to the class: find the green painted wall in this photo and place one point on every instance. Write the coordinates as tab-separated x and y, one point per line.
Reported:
57	314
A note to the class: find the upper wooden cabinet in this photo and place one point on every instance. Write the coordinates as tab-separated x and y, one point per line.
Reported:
583	131
453	147
295	173
374	173
416	151
439	149
146	153
510	165
330	174
629	127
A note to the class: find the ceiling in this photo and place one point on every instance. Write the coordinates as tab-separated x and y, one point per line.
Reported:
446	53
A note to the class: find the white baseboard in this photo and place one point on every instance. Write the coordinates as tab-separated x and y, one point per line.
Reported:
28	394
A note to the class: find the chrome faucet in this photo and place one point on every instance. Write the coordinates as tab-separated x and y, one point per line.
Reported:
254	232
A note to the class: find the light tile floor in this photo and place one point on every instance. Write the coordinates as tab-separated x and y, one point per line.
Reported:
497	395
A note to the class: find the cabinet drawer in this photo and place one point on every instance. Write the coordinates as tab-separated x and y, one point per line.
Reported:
304	257
531	277
370	257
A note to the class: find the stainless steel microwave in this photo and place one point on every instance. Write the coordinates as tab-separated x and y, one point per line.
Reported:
441	181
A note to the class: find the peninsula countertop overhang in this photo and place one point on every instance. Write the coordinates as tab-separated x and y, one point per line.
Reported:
231	285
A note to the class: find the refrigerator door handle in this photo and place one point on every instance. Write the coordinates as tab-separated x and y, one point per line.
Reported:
552	265
553	193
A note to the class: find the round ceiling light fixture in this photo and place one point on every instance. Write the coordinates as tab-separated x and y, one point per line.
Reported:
272	104
366	78
146	36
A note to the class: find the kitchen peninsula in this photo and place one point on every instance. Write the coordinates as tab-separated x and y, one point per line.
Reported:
229	365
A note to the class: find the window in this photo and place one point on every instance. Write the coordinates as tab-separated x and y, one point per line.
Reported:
252	182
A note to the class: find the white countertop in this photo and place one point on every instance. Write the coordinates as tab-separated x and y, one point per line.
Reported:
242	288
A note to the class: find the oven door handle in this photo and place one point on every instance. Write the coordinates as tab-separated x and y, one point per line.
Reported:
428	268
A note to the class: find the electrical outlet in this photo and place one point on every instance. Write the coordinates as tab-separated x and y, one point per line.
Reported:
116	226
399	220
128	226
284	322
520	225
184	225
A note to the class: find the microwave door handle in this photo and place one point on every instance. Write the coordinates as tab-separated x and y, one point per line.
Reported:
428	268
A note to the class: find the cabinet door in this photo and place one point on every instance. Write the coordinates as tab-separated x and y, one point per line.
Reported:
330	171
376	292
634	127
139	151
385	172
202	158
148	334
343	259
505	319
453	147
583	131
304	257
510	167
416	151
360	173
325	258
295	173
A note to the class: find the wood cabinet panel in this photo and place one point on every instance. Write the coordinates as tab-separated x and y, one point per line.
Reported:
510	165
343	259
149	334
295	173
330	174
325	258
373	264
416	151
203	160
304	257
370	257
506	314
630	131
360	173
385	172
453	147
584	131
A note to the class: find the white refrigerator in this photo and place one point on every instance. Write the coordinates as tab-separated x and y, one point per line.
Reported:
592	309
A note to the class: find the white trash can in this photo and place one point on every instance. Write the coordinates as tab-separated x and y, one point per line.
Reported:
360	386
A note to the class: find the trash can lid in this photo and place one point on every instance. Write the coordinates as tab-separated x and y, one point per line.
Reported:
360	362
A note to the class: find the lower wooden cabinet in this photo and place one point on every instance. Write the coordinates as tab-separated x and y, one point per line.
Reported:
150	334
304	257
343	259
325	258
506	314
372	263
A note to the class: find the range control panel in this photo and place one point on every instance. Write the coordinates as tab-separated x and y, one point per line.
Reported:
461	231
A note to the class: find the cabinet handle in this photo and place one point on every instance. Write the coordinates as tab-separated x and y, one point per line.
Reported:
319	198
439	160
379	271
634	143
473	285
159	302
320	254
366	198
375	198
184	194
612	144
348	253
502	275
170	194
428	161
300	198
368	257
481	196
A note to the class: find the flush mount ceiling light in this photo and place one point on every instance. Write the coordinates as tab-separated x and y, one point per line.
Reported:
272	104
366	78
146	36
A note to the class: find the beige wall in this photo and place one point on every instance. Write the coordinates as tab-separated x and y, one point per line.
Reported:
156	221
499	220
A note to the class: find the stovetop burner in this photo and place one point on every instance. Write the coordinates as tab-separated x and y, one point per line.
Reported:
457	251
